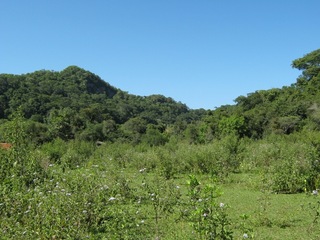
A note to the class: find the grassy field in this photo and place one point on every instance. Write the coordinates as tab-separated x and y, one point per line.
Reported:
272	216
76	190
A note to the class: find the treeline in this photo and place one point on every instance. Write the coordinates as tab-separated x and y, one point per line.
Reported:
77	104
287	110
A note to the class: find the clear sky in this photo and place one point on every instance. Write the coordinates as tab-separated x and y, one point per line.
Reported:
204	53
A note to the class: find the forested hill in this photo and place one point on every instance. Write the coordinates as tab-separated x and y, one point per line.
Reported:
275	111
76	103
38	92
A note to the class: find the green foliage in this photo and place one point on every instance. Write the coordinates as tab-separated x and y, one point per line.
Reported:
75	103
92	132
17	163
77	154
286	125
134	128
154	137
309	64
55	149
208	217
60	123
289	162
37	132
192	134
58	183
74	189
232	125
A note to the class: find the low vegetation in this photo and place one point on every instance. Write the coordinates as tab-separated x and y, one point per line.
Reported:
229	189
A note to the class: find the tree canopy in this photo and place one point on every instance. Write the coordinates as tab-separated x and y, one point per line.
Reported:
309	64
75	103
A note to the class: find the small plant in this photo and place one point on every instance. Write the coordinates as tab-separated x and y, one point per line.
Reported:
245	227
208	217
163	196
264	201
313	207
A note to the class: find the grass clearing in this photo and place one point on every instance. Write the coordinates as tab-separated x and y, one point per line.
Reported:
272	216
121	192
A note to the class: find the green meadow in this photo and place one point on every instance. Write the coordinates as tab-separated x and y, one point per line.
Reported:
228	189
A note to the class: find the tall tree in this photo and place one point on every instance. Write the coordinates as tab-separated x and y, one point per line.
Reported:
310	66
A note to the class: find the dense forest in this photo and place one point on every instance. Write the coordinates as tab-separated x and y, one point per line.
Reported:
81	159
77	104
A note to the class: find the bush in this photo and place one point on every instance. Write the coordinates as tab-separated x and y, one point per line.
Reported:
294	168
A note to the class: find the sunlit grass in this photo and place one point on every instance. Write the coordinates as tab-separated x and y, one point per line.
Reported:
122	192
272	216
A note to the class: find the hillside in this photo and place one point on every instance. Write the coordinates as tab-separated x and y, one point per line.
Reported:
78	103
280	111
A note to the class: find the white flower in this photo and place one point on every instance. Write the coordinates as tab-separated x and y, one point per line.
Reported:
68	194
104	187
177	187
221	205
112	199
315	192
245	236
142	170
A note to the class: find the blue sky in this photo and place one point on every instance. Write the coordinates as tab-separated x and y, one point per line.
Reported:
204	53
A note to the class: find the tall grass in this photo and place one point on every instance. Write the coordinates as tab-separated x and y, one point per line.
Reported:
77	190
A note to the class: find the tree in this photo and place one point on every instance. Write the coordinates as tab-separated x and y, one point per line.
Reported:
310	66
192	134
286	125
134	128
60	123
154	137
232	125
